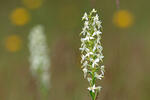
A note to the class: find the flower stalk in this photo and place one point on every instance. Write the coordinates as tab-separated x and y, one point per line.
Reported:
91	52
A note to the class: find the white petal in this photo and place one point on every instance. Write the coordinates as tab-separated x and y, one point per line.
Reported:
85	71
94	11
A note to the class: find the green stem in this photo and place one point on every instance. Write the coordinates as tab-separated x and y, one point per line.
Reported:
93	94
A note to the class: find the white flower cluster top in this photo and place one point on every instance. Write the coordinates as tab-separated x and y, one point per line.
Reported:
91	50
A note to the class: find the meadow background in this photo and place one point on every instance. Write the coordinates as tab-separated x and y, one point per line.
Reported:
126	42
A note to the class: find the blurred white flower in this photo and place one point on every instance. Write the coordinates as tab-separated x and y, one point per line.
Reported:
39	59
93	88
85	70
94	11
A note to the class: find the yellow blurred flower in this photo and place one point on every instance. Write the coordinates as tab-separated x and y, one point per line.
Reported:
13	43
32	4
123	19
20	16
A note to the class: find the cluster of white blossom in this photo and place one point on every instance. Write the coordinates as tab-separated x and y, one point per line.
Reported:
91	50
39	58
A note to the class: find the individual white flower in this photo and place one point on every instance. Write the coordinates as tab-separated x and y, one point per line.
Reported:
95	47
85	17
88	38
95	62
83	57
91	59
88	54
97	33
86	24
96	18
102	70
83	32
85	70
98	39
83	48
100	56
83	42
93	88
98	23
102	67
85	64
99	47
99	76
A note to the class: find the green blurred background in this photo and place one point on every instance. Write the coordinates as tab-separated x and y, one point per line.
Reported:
126	42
